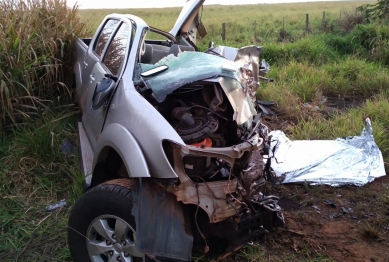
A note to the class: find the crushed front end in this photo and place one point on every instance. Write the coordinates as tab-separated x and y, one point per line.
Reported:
224	188
208	100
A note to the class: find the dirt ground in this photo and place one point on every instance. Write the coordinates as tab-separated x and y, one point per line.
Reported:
325	223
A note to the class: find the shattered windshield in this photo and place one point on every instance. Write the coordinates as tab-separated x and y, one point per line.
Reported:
189	67
186	68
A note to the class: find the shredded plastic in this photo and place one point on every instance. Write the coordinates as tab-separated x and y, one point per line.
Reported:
55	206
354	160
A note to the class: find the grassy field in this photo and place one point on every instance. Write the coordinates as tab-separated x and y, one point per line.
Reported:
338	66
240	20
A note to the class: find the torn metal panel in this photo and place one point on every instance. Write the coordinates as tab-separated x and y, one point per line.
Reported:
248	59
244	55
214	197
161	224
354	160
240	101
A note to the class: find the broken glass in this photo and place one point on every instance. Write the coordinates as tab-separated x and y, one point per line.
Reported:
189	67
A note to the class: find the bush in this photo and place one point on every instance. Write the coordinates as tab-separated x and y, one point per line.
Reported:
373	39
35	54
349	21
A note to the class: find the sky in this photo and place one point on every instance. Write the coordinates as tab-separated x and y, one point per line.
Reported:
101	4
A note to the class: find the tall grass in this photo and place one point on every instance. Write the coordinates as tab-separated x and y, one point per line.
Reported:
35	55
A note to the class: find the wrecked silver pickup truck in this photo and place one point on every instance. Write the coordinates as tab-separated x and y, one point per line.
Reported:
167	134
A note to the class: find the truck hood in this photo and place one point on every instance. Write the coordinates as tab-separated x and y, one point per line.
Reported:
188	22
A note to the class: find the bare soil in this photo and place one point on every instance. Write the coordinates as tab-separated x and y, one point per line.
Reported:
324	223
339	224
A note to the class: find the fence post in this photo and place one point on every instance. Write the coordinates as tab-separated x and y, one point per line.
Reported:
356	10
283	28
306	23
324	22
223	31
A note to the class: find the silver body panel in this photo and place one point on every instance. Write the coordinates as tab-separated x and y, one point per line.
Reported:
128	109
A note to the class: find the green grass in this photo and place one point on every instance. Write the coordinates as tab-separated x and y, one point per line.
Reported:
240	20
34	173
35	118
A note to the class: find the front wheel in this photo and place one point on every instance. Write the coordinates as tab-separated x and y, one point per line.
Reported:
101	226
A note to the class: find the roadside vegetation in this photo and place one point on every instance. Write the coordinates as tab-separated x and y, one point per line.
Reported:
327	79
35	52
36	117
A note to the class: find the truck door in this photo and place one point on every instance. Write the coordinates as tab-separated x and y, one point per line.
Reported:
103	80
94	54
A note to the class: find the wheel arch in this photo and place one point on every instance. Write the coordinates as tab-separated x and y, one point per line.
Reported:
117	147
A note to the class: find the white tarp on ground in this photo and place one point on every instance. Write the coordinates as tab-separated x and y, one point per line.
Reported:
354	160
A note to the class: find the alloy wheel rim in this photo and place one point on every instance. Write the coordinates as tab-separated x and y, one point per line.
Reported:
111	239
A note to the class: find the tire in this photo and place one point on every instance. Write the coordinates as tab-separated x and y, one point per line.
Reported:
101	226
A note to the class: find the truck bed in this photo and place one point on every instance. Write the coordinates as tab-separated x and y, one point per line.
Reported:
84	41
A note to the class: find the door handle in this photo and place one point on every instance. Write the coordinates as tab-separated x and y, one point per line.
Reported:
85	64
92	78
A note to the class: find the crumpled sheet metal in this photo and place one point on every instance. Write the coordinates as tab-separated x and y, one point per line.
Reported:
189	67
354	160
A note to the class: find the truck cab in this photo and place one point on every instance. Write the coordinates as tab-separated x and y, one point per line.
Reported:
166	135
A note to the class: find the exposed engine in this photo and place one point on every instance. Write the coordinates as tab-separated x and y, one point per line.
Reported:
203	117
194	129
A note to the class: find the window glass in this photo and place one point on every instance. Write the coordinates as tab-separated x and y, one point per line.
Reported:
103	38
117	49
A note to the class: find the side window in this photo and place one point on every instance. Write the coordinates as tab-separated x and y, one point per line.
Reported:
116	51
103	38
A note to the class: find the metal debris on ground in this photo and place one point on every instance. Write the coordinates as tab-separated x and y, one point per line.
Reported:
353	160
347	210
55	206
316	208
330	203
288	204
335	215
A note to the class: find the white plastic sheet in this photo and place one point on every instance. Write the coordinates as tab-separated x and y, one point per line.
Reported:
354	160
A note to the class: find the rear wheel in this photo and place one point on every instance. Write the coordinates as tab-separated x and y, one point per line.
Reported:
101	226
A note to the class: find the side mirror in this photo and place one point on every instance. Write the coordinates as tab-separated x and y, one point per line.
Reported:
102	92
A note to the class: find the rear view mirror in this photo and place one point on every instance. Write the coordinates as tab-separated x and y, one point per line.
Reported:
154	71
